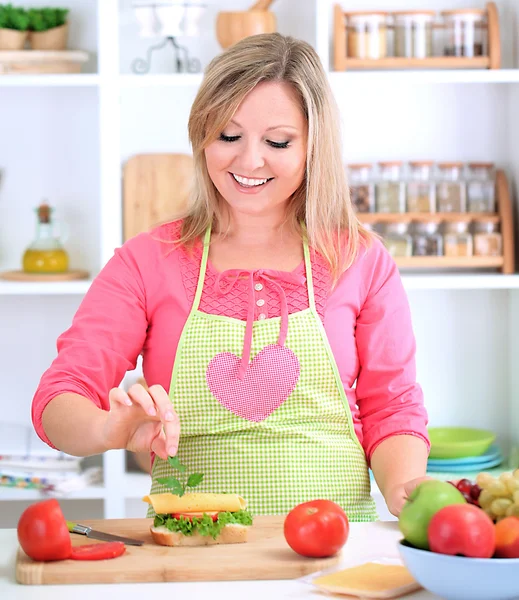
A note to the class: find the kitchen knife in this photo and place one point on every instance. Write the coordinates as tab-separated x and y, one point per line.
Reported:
101	535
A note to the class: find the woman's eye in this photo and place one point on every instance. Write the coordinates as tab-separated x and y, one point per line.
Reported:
229	138
278	144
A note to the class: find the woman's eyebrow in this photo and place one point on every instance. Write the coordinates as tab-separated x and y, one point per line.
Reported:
270	128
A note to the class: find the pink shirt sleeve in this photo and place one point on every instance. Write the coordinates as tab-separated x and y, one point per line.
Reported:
389	399
104	340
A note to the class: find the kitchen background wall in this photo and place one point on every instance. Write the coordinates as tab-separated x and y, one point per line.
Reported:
68	141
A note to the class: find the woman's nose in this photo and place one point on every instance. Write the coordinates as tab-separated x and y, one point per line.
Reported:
250	158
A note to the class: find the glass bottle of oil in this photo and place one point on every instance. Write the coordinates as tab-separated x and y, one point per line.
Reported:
46	253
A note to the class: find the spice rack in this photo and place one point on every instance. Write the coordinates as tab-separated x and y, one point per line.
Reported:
503	216
492	60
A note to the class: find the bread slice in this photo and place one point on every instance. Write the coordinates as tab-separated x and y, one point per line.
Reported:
230	534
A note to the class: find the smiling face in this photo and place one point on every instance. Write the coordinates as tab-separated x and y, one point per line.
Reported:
259	160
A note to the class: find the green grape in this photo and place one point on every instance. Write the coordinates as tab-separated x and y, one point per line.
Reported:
489	512
498	489
506	477
515	497
512	484
485	499
500	505
484	480
513	510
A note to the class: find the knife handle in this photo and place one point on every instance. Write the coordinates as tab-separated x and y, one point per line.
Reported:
77	528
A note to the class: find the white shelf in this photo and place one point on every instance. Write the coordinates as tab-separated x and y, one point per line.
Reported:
394	77
450	281
65	80
30	288
136	485
162	80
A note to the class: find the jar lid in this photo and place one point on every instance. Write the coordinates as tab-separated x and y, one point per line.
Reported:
421	163
449	165
428	13
481	165
464	11
367	13
360	166
391	163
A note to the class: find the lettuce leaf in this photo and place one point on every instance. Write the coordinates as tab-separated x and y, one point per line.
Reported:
203	525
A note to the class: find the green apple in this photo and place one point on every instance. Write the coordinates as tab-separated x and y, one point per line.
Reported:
424	501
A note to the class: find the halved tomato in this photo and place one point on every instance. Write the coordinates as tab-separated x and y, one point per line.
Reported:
100	551
195	515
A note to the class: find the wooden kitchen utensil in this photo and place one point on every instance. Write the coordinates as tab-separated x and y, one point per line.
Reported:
265	556
231	27
156	188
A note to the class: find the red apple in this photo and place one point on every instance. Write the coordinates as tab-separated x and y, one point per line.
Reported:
462	529
507	538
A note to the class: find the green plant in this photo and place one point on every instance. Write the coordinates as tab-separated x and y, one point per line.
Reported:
174	484
13	18
43	19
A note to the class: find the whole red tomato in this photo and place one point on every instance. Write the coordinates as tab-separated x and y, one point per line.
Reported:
462	529
316	529
42	531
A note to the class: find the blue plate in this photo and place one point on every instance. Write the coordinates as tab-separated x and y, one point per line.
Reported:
466	468
492	453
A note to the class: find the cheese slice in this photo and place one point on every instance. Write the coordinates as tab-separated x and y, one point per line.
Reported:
370	580
196	502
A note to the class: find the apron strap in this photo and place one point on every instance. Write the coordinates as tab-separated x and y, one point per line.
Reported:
203	269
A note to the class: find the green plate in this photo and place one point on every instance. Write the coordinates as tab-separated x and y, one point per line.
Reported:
459	442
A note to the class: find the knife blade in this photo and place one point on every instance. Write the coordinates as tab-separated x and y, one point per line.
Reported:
101	535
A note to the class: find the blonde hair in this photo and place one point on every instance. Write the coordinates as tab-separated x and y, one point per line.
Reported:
322	202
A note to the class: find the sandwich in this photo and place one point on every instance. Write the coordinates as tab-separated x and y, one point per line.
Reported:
199	519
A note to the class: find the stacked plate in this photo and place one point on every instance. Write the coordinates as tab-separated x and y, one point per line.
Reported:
462	450
491	458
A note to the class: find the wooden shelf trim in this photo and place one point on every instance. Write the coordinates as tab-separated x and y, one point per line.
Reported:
399	217
438	262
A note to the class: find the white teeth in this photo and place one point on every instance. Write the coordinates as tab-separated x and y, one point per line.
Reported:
249	182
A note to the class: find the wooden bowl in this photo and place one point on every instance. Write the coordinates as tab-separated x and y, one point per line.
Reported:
231	27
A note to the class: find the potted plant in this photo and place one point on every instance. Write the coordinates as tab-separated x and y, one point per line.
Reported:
13	27
48	28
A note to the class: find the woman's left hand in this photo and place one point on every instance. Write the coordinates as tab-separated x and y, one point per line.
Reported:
398	495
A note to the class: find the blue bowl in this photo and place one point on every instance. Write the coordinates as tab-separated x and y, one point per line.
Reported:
462	578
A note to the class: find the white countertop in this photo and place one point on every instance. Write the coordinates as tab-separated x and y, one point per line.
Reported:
367	541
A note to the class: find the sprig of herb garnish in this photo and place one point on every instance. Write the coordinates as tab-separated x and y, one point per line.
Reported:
177	487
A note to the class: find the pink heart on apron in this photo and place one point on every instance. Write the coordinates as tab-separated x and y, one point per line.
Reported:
270	379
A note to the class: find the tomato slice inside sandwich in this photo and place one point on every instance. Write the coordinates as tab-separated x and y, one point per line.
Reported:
101	551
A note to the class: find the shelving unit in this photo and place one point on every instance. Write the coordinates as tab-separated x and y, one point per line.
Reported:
82	128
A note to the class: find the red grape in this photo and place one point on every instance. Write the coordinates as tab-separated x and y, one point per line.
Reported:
475	491
465	486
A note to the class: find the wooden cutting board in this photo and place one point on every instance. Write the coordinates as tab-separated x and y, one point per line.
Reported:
156	188
265	556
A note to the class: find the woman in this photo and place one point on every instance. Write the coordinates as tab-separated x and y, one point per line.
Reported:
275	331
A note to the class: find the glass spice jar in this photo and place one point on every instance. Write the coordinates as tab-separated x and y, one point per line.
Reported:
457	239
362	188
481	184
397	239
465	32
487	239
414	33
451	191
421	193
390	189
366	34
427	240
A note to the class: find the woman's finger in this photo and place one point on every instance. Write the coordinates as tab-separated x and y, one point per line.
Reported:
141	397
119	396
168	416
158	445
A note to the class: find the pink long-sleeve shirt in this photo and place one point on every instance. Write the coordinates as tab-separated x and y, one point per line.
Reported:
140	301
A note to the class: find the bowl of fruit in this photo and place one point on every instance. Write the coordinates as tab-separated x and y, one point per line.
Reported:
461	539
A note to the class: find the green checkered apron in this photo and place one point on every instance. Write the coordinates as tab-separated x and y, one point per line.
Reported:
273	426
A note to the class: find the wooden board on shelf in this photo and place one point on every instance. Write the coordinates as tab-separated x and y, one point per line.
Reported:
156	187
265	555
343	62
26	62
449	262
399	217
44	277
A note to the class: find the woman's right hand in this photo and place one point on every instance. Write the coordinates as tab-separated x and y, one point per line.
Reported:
142	420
